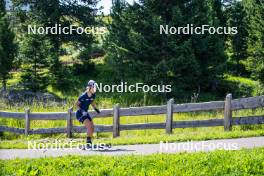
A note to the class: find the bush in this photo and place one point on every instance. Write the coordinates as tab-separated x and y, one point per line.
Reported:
84	68
64	80
239	87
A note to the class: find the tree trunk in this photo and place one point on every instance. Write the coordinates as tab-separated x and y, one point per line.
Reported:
4	83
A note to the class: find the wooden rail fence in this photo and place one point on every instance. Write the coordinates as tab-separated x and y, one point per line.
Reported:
170	109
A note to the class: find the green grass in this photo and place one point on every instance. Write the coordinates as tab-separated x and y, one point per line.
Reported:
140	137
15	78
243	162
10	140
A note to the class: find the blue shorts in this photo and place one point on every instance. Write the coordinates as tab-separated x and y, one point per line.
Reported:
81	118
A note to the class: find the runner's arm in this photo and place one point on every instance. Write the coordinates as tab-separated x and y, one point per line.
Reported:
95	108
78	104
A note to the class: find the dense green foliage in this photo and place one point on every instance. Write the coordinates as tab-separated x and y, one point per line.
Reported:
36	58
242	162
255	49
237	17
247	45
133	49
187	62
50	13
8	47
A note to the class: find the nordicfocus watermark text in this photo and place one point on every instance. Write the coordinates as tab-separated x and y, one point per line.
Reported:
138	87
197	146
200	30
58	144
66	30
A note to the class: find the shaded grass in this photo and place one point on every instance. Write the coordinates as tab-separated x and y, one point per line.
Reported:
242	162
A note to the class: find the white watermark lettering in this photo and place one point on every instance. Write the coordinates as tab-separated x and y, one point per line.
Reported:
57	144
191	29
196	146
66	30
138	87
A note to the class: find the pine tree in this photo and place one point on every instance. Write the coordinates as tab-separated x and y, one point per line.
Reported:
255	42
48	13
2	8
137	49
8	46
239	41
35	50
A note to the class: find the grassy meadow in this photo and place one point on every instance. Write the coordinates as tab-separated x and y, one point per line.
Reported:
241	162
10	140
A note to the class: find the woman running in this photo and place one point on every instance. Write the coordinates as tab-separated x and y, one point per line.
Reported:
83	103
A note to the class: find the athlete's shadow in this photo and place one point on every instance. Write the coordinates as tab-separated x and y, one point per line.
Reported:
115	150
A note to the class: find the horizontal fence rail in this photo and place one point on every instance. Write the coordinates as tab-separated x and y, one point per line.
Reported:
227	121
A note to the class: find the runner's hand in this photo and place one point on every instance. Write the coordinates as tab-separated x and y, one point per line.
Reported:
97	110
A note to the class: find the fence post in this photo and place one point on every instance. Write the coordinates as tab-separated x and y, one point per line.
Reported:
116	121
69	123
228	113
169	116
27	121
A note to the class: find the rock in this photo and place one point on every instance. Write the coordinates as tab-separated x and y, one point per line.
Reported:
27	96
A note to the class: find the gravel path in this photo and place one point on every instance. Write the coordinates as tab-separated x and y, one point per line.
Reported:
140	149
